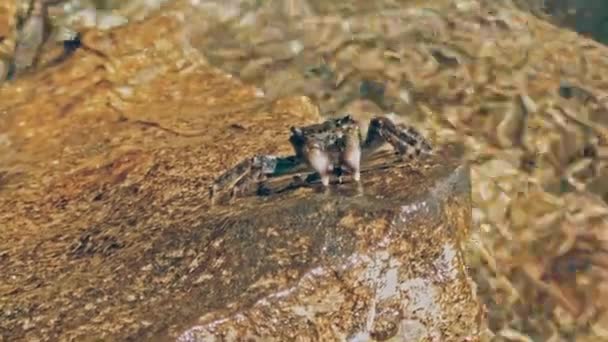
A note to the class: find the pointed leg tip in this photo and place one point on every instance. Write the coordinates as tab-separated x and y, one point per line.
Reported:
325	181
360	191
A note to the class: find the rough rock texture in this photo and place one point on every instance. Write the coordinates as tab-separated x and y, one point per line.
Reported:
339	266
107	232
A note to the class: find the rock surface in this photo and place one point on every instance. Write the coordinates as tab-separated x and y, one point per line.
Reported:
324	267
108	234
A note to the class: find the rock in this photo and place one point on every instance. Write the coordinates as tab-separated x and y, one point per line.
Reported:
338	266
100	190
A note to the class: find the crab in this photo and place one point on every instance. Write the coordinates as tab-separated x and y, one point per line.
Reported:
332	147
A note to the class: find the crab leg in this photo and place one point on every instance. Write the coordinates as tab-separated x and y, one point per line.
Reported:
404	139
252	170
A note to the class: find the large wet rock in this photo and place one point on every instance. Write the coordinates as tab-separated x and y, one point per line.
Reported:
318	266
108	233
